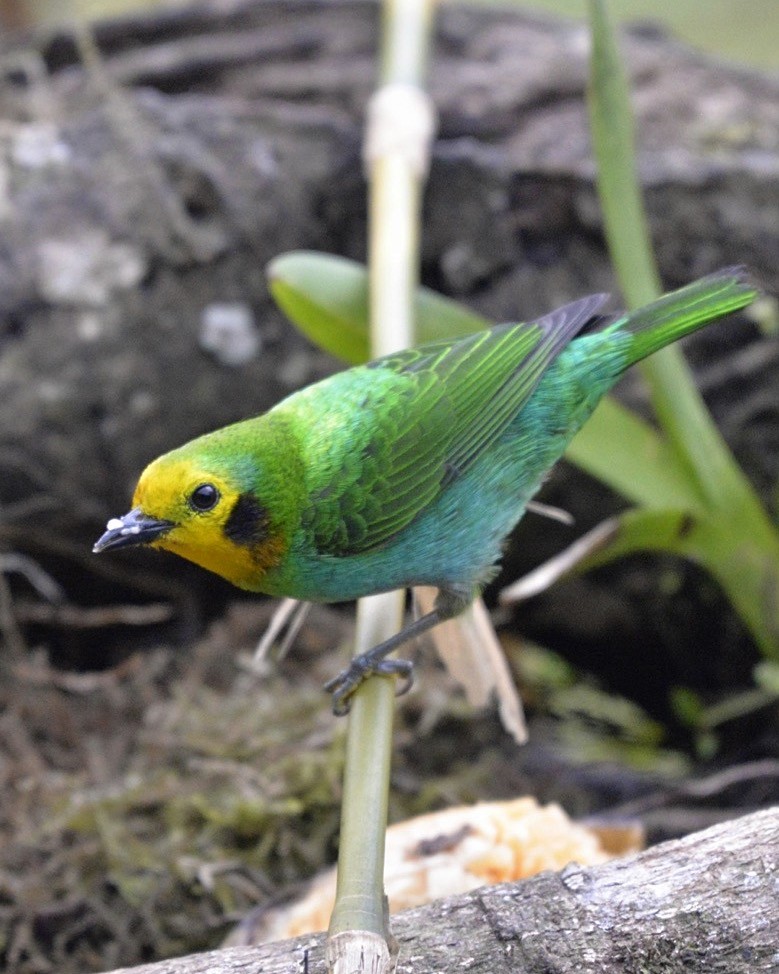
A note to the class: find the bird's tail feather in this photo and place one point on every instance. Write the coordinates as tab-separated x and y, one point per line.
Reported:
683	311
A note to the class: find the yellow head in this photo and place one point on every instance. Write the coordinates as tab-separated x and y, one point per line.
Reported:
204	509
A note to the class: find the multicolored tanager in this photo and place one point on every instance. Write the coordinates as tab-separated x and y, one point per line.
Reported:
410	470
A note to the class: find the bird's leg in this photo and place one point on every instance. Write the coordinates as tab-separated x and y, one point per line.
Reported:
449	602
373	661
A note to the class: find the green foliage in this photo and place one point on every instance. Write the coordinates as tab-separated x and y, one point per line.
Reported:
591	724
703	720
732	30
326	297
721	523
767	677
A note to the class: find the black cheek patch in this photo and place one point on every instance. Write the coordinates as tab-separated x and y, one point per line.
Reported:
247	524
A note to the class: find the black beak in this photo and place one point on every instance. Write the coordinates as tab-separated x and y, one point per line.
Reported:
134	528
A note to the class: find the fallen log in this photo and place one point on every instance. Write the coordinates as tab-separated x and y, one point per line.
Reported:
700	904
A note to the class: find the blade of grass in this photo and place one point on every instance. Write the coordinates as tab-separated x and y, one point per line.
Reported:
679	407
733	536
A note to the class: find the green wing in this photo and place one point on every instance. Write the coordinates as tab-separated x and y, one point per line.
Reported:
425	415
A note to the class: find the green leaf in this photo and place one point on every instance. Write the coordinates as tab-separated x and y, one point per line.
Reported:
692	434
326	297
746	566
687	706
611	123
767	676
629	455
732	537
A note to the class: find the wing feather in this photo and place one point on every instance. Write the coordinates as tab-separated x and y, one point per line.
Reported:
438	408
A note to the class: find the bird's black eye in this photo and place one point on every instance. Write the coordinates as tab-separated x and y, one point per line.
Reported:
204	497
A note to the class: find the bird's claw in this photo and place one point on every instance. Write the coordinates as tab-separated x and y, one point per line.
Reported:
345	683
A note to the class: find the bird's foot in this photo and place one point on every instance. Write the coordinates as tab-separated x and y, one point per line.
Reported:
366	664
374	660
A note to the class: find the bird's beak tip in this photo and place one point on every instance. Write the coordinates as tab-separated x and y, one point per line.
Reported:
132	529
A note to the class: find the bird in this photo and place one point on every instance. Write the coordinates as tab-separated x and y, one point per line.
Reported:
409	470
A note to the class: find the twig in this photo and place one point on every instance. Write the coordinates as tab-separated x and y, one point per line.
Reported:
79	617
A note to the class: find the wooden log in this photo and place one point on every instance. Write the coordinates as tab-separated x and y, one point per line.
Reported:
701	904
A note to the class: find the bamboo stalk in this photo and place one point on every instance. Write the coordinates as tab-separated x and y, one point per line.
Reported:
397	146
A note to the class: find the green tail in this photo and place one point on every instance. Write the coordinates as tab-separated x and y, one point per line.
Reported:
683	311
